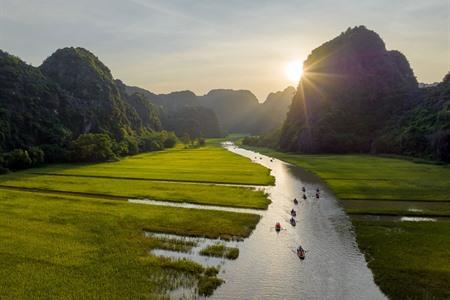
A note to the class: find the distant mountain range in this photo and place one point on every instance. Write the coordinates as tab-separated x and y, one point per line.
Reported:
238	111
73	93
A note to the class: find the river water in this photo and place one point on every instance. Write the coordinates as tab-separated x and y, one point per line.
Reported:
268	268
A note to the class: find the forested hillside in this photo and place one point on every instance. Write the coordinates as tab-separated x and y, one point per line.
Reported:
71	109
356	96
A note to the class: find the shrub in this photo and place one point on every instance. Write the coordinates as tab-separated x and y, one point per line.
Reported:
92	147
36	155
170	140
17	159
4	170
55	153
151	142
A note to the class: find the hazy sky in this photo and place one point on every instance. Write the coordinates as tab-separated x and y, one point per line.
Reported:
199	45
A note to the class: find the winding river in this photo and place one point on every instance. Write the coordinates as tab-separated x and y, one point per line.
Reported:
268	268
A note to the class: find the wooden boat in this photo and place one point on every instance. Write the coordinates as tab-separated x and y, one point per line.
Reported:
292	221
278	226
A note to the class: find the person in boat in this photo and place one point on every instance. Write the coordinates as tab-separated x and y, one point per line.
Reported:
277	226
317	190
304	196
317	195
295	201
292	220
303	189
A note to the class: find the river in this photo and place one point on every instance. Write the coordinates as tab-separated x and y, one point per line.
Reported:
268	268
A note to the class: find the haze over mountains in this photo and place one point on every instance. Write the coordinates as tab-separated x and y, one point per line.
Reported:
73	93
236	110
355	96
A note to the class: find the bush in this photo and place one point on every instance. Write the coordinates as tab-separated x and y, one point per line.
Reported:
4	170
92	147
36	155
55	153
154	141
151	142
17	159
201	142
170	140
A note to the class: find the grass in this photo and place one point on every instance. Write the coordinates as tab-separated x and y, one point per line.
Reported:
404	208
206	194
220	250
210	164
410	260
171	244
66	247
67	236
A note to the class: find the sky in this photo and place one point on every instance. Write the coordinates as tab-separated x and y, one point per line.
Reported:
199	45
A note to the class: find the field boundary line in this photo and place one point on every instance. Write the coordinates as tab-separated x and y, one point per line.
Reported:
171	203
200	182
394	200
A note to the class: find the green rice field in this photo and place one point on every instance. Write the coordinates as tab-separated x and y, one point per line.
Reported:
68	237
410	260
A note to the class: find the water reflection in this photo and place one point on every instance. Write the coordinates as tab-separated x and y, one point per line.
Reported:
268	267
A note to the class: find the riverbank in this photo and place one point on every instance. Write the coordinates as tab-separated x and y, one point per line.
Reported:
396	251
72	233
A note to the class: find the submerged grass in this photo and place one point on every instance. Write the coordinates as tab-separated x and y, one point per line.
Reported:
66	247
410	260
171	244
220	250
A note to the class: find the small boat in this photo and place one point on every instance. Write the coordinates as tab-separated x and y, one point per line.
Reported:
292	221
278	226
293	213
295	201
301	252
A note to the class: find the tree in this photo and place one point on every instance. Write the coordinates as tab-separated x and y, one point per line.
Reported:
93	147
17	159
186	139
36	155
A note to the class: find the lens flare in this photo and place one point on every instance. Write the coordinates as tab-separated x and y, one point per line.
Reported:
294	70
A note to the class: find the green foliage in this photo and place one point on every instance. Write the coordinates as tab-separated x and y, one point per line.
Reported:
86	247
207	285
170	140
152	141
220	250
195	121
36	155
201	142
55	153
92	147
396	251
344	113
17	159
186	139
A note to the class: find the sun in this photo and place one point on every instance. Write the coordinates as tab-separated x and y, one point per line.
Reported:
294	70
